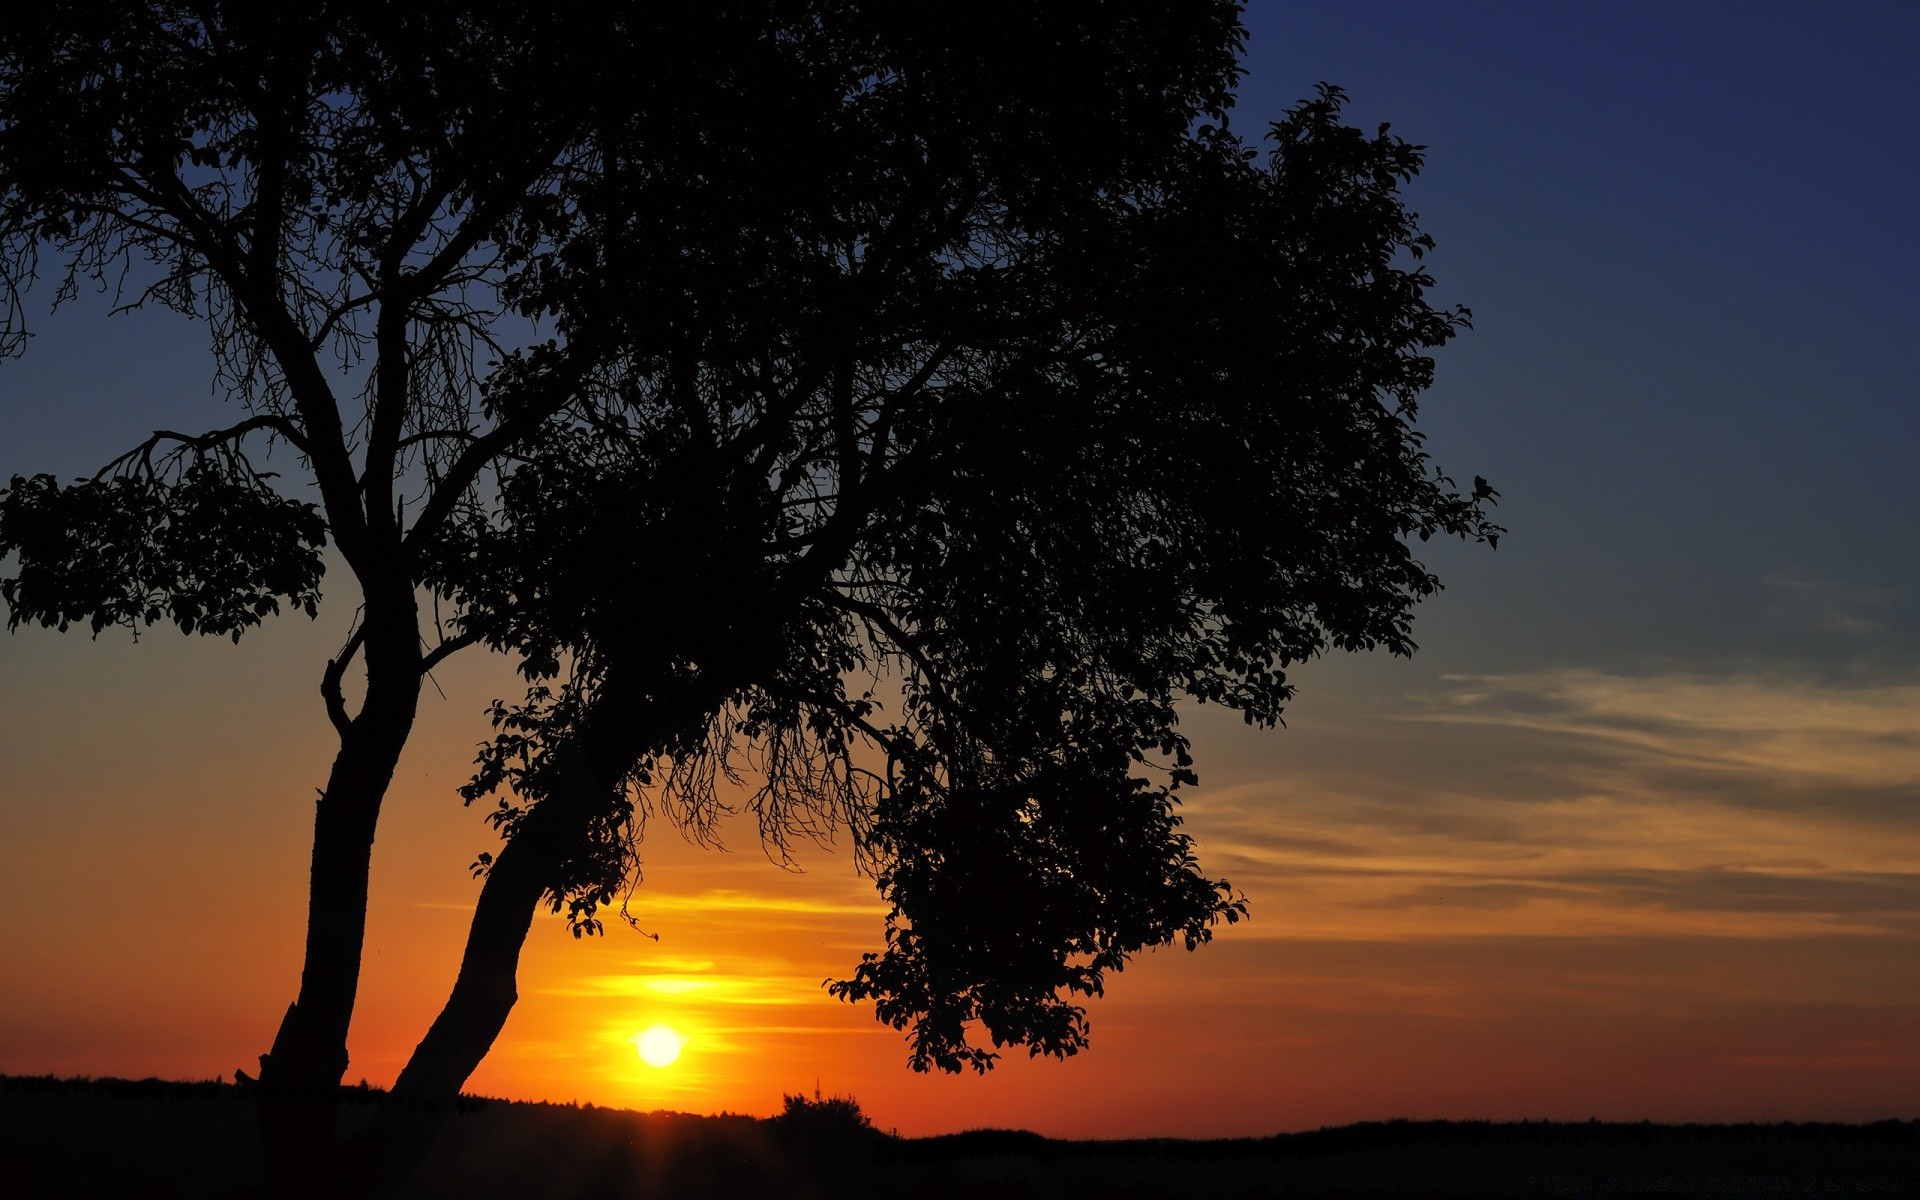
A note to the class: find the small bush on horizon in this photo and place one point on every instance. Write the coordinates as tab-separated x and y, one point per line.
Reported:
829	1140
822	1115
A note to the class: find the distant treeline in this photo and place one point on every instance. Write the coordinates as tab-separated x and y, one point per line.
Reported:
993	1143
1376	1135
143	1089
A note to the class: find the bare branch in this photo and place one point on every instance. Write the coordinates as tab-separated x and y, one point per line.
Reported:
206	441
484	448
910	646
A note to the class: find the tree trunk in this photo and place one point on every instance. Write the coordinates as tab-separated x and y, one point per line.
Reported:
300	1077
623	721
596	760
485	991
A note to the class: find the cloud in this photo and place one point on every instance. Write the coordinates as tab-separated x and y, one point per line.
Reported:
729	901
1827	606
1719	890
1579	803
722	980
1772	729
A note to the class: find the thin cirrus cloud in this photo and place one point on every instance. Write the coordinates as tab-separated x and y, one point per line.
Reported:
1578	802
732	981
1772	732
1865	611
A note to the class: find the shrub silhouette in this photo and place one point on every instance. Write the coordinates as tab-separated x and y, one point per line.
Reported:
826	1135
823	1116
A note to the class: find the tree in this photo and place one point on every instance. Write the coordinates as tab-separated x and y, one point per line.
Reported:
932	403
1128	430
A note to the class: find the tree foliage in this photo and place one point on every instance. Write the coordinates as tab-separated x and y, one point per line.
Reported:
210	546
941	575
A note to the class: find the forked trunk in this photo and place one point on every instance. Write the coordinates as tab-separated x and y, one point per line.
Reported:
483	996
624	719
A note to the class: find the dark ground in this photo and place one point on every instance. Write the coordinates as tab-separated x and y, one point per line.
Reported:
115	1138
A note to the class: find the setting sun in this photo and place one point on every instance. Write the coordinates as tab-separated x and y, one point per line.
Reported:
659	1046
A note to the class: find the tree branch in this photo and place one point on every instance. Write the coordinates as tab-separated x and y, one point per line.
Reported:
447	648
909	645
260	302
207	441
483	449
429	435
330	690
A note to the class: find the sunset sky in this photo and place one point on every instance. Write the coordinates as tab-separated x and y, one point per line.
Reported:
1635	835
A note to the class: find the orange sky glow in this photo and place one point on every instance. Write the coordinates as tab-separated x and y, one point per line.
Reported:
1556	895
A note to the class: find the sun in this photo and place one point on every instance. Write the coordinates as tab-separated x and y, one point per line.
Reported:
659	1046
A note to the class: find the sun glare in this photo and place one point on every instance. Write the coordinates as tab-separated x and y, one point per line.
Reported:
659	1046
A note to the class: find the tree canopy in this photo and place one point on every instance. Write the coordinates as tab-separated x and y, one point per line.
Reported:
940	574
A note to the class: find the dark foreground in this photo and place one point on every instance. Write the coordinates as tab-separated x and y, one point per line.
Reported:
101	1138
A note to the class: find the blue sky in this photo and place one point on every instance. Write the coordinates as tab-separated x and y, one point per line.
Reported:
1680	229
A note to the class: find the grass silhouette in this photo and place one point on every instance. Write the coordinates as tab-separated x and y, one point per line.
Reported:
85	1138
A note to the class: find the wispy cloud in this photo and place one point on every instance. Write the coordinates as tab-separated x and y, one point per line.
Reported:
1779	729
1828	606
1579	803
721	981
729	901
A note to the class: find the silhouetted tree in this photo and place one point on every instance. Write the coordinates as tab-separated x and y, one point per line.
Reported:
932	401
926	499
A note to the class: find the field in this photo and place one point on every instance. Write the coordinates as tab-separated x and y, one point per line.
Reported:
112	1138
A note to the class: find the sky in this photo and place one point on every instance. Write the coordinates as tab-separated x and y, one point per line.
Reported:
1635	835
